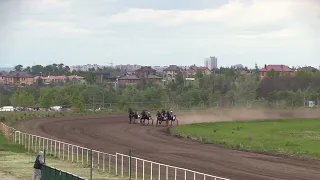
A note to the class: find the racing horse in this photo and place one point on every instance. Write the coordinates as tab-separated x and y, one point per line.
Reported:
161	117
145	116
133	115
171	118
164	113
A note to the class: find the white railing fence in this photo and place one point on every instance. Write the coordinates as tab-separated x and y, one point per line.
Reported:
7	131
154	170
117	164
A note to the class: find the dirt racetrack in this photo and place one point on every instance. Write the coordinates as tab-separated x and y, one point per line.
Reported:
112	133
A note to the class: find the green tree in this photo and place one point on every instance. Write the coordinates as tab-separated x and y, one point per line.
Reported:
27	69
18	68
199	75
273	73
46	98
91	77
231	96
63	98
21	98
78	105
5	99
39	82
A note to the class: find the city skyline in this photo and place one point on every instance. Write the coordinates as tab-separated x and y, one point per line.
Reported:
86	67
159	32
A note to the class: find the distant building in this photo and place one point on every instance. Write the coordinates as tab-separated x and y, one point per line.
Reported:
211	62
307	68
129	67
172	71
16	78
192	71
145	72
237	66
203	70
112	77
59	79
282	69
134	80
86	67
159	69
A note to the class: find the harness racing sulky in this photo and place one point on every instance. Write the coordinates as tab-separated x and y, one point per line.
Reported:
146	116
166	116
133	115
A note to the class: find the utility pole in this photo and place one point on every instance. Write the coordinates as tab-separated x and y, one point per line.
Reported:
103	99
93	107
93	102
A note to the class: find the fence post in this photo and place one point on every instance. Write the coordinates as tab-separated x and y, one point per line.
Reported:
35	143
142	169
130	164
43	145
15	137
116	163
91	164
13	134
121	165
25	141
72	153
44	155
82	155
29	140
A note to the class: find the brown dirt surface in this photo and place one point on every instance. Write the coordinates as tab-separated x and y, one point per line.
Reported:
113	133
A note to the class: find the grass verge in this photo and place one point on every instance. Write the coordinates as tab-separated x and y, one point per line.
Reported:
11	118
292	137
16	162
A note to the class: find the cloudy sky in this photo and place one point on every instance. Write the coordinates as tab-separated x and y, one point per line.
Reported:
160	32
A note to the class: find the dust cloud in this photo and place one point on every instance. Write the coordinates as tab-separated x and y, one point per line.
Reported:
243	114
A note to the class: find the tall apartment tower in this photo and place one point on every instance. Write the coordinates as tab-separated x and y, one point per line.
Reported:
211	62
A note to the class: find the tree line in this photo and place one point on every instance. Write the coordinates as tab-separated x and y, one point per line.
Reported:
62	69
226	86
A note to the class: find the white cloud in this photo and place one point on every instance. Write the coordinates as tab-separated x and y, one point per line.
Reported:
235	13
56	3
50	29
251	28
57	27
279	34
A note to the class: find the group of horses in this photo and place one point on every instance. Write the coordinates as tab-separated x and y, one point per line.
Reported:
163	116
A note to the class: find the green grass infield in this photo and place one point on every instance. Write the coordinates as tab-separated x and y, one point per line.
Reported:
292	137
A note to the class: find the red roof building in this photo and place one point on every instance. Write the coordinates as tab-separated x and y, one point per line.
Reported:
282	69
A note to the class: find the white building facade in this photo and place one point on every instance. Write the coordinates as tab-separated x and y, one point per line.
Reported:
211	62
